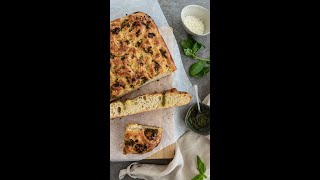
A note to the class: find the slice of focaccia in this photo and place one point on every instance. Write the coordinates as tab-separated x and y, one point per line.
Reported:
140	139
138	54
149	102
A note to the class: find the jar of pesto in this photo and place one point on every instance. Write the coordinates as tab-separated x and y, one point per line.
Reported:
198	123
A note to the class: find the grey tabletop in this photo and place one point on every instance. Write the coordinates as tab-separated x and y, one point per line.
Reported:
171	9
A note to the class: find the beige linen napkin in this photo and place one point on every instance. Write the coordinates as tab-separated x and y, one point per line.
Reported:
184	164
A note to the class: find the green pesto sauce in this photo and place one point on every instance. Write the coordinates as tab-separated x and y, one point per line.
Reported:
200	124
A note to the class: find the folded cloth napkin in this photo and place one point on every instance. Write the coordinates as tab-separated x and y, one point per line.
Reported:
184	164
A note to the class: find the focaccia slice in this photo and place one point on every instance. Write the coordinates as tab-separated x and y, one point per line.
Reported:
140	139
149	102
138	54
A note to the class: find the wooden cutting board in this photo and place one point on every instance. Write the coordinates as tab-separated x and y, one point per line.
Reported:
165	153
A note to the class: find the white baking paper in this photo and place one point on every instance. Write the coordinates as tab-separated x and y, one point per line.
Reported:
171	120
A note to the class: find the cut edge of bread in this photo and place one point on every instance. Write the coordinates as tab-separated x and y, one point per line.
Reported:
147	82
134	127
149	102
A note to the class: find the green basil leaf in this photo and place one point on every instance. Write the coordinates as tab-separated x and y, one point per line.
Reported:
201	166
196	68
205	71
202	73
185	44
196	46
188	52
198	177
188	43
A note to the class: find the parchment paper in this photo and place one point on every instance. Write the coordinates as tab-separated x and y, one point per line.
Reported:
171	120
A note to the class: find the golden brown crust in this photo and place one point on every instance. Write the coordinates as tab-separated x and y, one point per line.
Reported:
140	139
138	54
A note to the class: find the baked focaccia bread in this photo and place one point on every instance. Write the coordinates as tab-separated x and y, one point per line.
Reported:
140	139
149	102
138	54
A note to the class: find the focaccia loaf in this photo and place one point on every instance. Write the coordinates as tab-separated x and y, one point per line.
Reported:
138	54
140	139
149	102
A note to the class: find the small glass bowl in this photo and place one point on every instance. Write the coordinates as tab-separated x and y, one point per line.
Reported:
193	110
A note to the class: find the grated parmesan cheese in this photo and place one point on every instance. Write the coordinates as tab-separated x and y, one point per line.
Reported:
194	24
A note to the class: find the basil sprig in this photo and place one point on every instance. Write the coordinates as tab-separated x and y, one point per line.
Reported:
201	168
190	48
